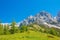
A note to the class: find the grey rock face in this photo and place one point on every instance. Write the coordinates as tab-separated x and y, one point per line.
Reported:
42	17
58	16
39	18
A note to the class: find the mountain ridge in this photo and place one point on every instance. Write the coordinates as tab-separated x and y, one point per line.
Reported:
42	17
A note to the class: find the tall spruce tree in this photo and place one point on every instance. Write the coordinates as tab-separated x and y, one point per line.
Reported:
1	28
6	29
23	28
13	27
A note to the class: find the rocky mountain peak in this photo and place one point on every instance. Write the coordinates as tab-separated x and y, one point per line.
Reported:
42	17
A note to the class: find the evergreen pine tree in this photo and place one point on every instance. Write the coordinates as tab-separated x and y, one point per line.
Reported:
13	27
23	28
6	29
1	28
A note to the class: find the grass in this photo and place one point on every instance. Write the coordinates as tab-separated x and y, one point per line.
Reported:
32	35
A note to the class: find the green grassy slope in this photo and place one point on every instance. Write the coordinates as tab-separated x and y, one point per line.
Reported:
29	36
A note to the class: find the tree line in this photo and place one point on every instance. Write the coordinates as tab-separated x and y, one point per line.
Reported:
11	28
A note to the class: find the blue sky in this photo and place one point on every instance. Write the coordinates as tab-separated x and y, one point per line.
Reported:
21	9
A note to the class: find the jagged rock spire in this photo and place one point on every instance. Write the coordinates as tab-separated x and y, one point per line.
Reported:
58	17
